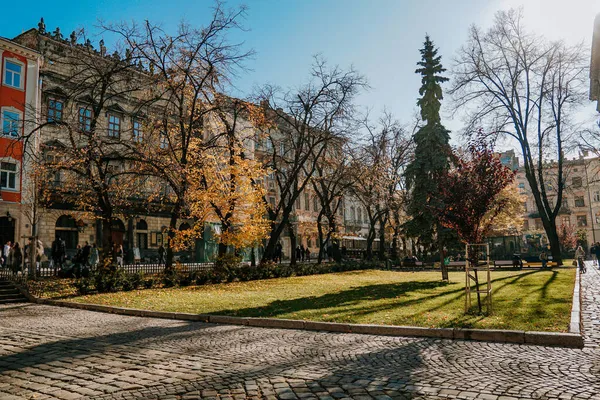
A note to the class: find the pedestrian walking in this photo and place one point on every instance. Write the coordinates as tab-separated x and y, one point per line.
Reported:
161	255
597	252
85	254
15	257
298	253
6	253
94	256
120	255
278	252
580	256
307	256
302	252
593	254
544	259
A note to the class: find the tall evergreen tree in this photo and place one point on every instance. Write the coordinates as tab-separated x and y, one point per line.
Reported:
432	154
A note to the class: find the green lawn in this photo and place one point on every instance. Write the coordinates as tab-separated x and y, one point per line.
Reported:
524	300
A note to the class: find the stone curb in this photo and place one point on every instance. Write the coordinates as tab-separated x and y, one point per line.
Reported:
572	340
576	325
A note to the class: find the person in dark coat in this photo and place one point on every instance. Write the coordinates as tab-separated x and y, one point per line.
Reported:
85	254
298	253
161	255
302	252
15	257
278	252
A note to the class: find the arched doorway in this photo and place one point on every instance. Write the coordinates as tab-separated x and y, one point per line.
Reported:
7	230
66	229
118	231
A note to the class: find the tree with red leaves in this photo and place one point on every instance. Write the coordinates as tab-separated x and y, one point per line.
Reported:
470	190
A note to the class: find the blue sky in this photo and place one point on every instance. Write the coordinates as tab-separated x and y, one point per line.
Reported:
380	38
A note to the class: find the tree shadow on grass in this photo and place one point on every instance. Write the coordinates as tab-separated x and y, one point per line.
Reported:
344	298
358	302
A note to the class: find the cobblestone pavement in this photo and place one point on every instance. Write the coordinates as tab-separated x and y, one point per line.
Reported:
51	352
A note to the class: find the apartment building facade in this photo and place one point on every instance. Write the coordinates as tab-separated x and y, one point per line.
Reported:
19	102
580	208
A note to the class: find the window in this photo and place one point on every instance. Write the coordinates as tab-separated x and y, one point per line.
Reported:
13	74
138	135
8	175
596	196
164	141
566	220
11	122
298	203
315	204
114	126
538	224
577	182
306	202
272	202
352	214
526	225
359	210
522	186
141	228
308	242
55	110
85	119
281	148
579	202
581	220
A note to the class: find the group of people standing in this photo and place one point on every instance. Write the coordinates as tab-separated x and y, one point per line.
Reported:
84	256
302	254
595	252
15	258
12	256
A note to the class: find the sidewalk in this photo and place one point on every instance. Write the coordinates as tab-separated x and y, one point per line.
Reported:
590	285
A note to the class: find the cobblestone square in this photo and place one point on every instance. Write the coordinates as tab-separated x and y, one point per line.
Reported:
59	353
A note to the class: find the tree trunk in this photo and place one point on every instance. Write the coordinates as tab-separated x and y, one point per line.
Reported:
106	242
292	245
382	223
276	231
321	240
170	236
440	244
554	242
222	249
370	239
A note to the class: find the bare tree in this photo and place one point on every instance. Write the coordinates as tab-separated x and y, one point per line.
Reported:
526	88
305	124
332	179
380	176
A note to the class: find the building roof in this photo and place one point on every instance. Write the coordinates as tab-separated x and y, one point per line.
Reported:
19	49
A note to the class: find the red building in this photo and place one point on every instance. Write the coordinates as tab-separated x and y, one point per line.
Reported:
19	105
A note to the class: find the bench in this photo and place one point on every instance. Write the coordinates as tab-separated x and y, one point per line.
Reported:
539	264
509	263
460	265
412	264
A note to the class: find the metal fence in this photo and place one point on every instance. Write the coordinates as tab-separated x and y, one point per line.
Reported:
21	276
